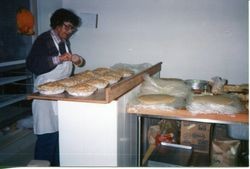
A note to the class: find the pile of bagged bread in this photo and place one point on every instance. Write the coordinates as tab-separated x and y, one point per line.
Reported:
170	94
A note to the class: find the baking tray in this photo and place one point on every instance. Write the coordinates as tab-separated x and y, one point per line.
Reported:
106	95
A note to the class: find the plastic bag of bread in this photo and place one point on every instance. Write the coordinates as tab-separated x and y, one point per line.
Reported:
173	87
221	104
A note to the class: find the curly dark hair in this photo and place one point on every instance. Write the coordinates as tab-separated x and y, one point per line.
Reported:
64	15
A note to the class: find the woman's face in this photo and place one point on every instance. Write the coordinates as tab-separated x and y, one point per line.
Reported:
65	31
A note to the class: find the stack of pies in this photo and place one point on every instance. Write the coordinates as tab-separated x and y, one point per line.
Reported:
51	88
81	89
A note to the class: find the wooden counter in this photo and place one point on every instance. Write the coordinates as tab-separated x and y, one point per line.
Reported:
241	117
106	95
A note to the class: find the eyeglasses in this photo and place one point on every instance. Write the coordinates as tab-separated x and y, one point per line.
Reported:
69	27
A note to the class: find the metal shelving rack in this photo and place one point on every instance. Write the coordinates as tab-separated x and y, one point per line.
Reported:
15	84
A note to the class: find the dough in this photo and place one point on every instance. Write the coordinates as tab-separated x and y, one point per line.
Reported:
156	99
222	100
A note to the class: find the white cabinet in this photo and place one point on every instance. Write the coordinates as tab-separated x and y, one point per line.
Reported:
93	134
15	84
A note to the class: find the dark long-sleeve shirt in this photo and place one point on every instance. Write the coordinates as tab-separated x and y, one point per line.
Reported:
40	58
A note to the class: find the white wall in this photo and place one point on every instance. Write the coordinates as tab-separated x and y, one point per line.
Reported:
44	12
195	39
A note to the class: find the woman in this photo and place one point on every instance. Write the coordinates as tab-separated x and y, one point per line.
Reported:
50	59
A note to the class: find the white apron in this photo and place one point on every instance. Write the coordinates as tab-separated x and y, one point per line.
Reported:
45	112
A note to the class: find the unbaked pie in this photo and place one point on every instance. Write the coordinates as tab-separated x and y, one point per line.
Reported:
98	83
81	89
51	88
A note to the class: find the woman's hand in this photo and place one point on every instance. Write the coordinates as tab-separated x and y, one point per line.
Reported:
78	60
66	57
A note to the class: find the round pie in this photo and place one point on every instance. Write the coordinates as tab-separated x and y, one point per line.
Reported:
110	78
88	72
156	99
98	83
51	88
125	72
114	73
101	70
83	77
67	82
81	89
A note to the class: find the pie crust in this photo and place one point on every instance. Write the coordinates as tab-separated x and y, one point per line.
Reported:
114	73
125	72
51	88
98	83
81	89
101	70
110	78
83	77
86	72
67	82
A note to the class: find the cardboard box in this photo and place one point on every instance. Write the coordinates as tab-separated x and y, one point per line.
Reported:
196	135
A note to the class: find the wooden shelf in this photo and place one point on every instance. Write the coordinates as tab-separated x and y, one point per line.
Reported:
241	117
106	95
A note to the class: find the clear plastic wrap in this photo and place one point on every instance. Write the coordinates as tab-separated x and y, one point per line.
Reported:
136	68
153	85
156	86
229	104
